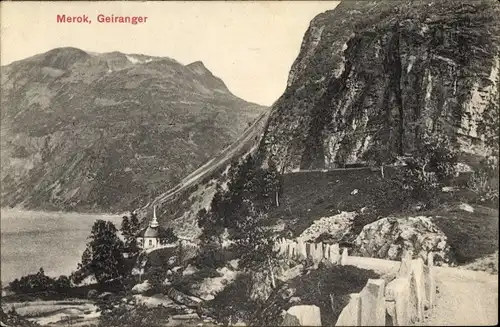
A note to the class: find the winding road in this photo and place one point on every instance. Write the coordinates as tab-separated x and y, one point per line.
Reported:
465	298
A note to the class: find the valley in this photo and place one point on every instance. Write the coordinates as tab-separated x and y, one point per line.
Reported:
367	194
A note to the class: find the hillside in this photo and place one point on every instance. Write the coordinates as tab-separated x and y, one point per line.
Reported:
179	206
371	82
374	78
108	132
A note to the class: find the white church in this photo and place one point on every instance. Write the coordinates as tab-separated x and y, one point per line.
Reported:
151	236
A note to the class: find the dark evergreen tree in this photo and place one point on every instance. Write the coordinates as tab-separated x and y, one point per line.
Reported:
103	257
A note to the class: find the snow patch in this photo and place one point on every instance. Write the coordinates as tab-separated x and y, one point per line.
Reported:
137	61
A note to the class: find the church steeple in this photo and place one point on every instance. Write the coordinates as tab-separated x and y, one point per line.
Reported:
154	222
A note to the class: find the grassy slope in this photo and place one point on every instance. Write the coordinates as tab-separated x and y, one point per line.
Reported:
307	196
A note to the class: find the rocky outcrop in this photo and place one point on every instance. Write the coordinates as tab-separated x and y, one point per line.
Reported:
335	226
388	238
184	299
209	287
374	78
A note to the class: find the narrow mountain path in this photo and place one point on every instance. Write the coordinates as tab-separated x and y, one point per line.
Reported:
465	298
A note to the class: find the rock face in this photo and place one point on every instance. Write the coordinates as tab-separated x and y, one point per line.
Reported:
374	78
389	238
109	132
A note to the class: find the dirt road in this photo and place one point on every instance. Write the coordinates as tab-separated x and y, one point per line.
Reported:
465	298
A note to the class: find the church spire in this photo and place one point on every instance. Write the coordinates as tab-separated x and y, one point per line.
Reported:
154	222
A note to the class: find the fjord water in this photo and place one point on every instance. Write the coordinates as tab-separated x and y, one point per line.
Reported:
52	240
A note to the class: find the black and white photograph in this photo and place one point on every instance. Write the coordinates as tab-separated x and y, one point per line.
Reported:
249	163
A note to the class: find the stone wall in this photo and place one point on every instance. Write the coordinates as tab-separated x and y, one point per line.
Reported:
401	302
299	249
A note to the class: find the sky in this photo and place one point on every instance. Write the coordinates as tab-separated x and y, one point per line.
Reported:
249	45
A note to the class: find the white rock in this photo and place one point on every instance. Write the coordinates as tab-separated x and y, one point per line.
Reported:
447	189
189	270
466	207
142	287
354	192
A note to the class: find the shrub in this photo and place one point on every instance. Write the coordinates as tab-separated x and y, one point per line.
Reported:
484	182
12	318
39	282
156	276
211	255
234	302
136	315
169	236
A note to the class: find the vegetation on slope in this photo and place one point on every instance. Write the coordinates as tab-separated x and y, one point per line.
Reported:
120	131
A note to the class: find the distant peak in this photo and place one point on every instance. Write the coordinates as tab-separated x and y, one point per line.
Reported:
198	67
197	63
63	58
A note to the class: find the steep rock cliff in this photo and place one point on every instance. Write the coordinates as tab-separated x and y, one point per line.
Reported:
373	78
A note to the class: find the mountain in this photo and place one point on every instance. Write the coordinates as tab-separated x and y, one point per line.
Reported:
107	132
371	78
375	78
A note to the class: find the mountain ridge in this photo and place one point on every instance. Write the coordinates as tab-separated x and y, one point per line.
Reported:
106	132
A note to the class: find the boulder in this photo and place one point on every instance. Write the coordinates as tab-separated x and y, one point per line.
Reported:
141	288
190	270
208	287
233	264
388	238
105	295
307	315
92	294
291	273
336	226
179	297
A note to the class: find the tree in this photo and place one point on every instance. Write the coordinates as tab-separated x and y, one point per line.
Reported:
103	256
156	276
33	283
169	236
241	209
273	183
62	283
484	181
130	227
